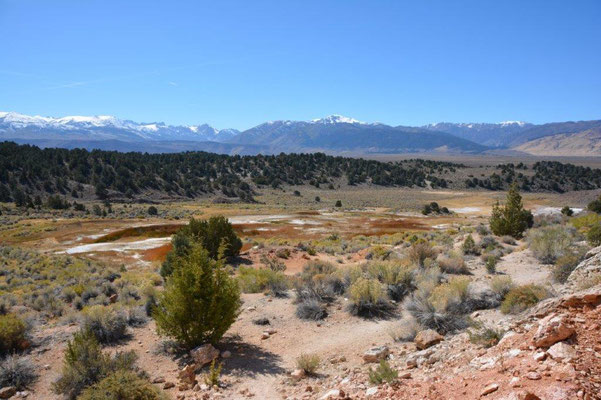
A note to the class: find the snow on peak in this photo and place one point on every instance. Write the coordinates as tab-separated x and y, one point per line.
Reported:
505	123
336	119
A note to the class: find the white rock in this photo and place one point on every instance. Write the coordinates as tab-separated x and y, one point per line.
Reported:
331	394
371	391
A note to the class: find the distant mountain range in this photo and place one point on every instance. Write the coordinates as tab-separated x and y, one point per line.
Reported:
333	134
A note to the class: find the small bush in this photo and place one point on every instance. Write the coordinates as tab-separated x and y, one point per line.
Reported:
523	297
319	290
200	301
383	373
12	334
508	240
482	230
253	280
549	243
501	285
454	264
273	264
18	372
317	267
405	331
283	253
107	325
308	363
426	314
152	210
212	377
486	337
469	246
122	385
368	299
419	252
593	236
491	264
85	364
567	211
564	266
311	310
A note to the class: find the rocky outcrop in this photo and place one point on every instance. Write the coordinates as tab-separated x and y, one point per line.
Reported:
375	354
585	271
552	329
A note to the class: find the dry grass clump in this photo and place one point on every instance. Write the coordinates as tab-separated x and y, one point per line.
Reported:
521	298
311	309
383	373
405	331
253	280
308	363
368	299
453	264
105	323
486	337
501	285
13	334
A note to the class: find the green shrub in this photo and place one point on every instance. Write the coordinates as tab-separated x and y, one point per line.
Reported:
368	300
338	203
253	280
308	363
427	315
383	373
216	235
107	325
511	219
212	377
122	385
567	211
564	266
491	264
152	210
593	236
317	267
85	364
549	243
18	372
595	205
469	246
523	297
200	301
12	334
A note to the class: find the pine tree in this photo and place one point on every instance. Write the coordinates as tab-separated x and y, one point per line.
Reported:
511	219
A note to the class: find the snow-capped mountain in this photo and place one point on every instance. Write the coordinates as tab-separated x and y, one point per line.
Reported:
103	127
487	134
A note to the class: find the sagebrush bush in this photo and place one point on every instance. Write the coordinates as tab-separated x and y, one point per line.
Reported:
398	278
368	300
12	334
523	297
85	364
453	264
501	285
550	242
404	331
107	324
122	385
426	314
200	301
308	363
383	373
486	337
419	252
18	372
311	309
321	288
317	267
564	266
491	264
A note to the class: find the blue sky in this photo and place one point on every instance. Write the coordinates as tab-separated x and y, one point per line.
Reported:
240	63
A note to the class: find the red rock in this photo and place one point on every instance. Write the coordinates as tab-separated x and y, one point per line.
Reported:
551	330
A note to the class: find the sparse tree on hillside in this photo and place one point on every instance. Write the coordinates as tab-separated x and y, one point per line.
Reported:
511	219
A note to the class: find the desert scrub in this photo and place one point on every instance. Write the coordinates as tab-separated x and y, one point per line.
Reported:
212	377
252	280
456	290
12	334
317	267
486	337
398	278
105	323
85	364
200	301
419	252
501	285
405	331
453	264
378	253
382	373
122	385
521	298
491	264
308	363
368	300
593	236
550	242
469	246
564	266
311	309
18	372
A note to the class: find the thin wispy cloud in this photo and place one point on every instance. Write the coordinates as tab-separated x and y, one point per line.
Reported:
170	83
